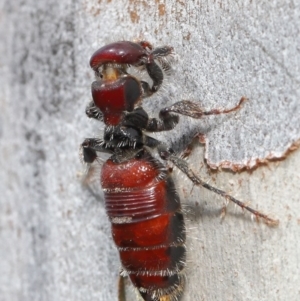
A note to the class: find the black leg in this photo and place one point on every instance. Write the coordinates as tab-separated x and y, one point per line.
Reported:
155	71
165	122
168	154
156	74
140	119
90	147
160	52
93	112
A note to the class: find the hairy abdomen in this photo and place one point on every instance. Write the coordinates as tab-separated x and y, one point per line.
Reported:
147	225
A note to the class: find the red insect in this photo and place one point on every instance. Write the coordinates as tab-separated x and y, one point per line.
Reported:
140	197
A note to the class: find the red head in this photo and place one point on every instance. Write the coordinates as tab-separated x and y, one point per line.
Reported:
123	52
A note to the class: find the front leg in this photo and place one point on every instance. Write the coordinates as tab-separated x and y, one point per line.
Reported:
154	70
166	122
162	54
90	147
156	74
140	119
93	112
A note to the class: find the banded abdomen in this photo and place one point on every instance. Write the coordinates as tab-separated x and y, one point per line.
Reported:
147	224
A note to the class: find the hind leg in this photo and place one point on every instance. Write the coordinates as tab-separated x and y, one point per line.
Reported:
168	154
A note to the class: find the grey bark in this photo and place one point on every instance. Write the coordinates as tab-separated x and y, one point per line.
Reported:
55	237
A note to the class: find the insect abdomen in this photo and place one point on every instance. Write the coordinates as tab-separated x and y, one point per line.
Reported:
147	224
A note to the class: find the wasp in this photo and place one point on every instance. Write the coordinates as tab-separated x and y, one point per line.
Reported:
141	200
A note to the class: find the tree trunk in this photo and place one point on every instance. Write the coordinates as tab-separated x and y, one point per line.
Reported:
55	236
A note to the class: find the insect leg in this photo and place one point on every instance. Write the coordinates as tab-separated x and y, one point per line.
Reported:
90	147
93	112
121	289
165	122
161	54
156	74
154	70
157	52
167	154
198	138
139	295
168	121
139	118
192	109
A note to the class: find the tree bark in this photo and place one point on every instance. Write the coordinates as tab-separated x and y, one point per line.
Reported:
55	236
